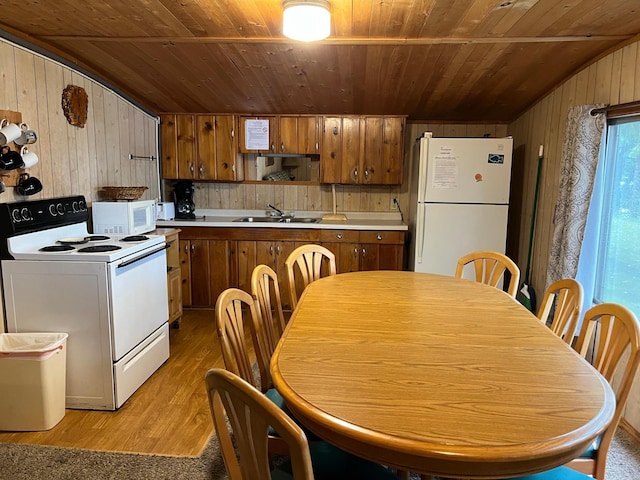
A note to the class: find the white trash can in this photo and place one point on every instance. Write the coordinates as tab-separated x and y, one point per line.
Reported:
32	380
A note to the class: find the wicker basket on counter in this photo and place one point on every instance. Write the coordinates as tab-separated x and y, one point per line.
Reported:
123	193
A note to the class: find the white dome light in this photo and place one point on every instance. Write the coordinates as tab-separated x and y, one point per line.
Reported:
306	20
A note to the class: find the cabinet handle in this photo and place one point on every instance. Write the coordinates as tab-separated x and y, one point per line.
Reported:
379	237
282	147
339	236
270	249
364	252
191	168
193	247
355	174
273	147
277	249
335	130
366	174
355	252
317	146
186	248
201	170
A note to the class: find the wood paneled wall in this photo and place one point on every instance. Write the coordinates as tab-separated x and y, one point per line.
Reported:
75	160
612	80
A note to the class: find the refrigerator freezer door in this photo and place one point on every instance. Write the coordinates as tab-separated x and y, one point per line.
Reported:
453	230
466	170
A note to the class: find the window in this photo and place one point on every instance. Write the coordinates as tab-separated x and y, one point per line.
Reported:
617	276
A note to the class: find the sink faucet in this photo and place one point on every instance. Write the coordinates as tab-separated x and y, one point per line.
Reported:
280	212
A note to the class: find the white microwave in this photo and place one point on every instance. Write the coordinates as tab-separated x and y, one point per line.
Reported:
124	218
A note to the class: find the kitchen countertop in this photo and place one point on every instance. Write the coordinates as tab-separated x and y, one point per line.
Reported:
228	218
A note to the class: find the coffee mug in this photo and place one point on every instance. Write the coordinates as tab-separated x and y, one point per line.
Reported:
9	131
28	185
27	137
28	158
10	159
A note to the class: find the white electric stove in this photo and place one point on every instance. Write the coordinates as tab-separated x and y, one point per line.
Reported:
108	292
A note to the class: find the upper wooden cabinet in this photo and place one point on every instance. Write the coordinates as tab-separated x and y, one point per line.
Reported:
198	147
287	134
362	150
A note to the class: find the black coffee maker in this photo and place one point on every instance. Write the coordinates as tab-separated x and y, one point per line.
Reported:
183	198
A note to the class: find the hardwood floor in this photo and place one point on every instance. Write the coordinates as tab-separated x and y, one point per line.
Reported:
168	415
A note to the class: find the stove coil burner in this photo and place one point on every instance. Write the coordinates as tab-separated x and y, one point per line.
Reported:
99	248
134	238
97	238
56	248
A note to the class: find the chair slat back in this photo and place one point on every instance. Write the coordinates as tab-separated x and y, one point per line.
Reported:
307	261
250	414
266	294
231	306
608	332
564	297
489	267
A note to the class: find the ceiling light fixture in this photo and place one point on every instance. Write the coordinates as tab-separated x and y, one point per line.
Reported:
306	20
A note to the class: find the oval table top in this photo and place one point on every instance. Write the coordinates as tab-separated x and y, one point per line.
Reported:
437	375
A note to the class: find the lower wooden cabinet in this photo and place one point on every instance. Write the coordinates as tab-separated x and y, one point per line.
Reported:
206	270
174	287
213	259
358	250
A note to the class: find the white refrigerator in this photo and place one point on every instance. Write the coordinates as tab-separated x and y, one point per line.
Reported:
459	200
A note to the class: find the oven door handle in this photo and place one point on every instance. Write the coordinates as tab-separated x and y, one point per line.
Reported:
148	254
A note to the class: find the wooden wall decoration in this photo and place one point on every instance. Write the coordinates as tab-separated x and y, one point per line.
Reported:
75	103
10	177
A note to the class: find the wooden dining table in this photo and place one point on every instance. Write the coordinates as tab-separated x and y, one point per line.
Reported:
436	375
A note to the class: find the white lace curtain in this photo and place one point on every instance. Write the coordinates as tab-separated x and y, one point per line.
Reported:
580	151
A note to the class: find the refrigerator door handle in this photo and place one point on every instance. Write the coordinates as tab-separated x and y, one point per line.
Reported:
422	169
420	225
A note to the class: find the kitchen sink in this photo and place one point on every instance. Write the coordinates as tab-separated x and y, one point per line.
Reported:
278	220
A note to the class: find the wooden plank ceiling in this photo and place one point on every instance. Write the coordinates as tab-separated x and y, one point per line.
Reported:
445	60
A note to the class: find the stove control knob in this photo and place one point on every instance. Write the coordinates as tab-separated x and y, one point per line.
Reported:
16	215
74	206
52	210
60	209
83	206
26	214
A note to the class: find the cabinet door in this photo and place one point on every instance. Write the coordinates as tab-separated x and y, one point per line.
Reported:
369	256
349	258
242	147
393	150
174	285
391	257
186	146
219	267
308	136
350	171
200	273
206	147
245	263
331	158
169	146
372	168
225	148
288	132
185	271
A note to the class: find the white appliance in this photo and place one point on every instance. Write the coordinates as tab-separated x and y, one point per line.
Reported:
124	218
108	293
165	211
459	200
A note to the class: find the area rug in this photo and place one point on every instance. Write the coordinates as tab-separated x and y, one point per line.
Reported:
29	462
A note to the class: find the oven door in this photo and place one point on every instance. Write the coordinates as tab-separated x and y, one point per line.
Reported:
138	298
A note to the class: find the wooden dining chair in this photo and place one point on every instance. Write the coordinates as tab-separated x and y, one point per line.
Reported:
312	262
231	307
251	415
489	268
564	298
266	295
610	339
